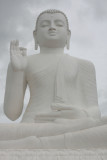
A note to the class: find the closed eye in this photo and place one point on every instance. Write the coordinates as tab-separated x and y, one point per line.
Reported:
59	23
44	23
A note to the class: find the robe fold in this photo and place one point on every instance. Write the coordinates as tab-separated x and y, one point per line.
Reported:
75	86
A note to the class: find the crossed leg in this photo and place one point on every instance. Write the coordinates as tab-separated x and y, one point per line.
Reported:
73	135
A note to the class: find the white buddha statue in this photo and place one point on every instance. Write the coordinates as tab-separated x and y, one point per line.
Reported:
63	107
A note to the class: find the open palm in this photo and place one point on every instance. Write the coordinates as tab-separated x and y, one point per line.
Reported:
18	56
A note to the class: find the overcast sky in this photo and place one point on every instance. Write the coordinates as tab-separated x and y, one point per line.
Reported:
88	24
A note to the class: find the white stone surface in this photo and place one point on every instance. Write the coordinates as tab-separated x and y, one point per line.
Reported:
49	154
63	107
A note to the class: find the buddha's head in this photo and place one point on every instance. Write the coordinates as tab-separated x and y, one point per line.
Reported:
52	30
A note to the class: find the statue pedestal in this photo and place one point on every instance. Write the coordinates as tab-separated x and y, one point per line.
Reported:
53	154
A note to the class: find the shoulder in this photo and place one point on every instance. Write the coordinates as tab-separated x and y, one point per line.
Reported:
86	64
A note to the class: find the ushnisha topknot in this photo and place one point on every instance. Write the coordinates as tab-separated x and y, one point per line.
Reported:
52	11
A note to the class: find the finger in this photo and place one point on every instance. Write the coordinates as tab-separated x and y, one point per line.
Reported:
23	51
17	44
13	44
11	47
48	115
44	119
60	106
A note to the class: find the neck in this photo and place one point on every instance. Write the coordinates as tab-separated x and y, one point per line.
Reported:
53	51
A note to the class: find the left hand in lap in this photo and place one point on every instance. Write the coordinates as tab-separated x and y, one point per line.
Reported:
62	111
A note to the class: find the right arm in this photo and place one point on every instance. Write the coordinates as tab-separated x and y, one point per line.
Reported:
15	86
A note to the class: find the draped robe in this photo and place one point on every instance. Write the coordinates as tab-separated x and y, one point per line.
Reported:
75	89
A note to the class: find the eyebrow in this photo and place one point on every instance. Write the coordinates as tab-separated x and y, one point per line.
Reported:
49	20
59	20
44	21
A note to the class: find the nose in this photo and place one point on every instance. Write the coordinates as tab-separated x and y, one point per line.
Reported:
52	26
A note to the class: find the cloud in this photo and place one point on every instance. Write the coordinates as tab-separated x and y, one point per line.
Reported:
98	8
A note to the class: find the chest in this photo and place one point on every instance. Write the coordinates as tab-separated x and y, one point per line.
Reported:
41	72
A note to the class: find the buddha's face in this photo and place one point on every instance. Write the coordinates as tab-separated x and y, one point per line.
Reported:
51	30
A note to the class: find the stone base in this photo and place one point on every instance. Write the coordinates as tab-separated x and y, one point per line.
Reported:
53	154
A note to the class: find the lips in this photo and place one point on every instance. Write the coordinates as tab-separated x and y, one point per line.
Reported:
52	31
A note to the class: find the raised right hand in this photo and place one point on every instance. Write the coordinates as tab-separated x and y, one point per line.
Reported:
18	56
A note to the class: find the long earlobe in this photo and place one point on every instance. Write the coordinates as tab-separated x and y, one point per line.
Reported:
36	43
68	40
68	44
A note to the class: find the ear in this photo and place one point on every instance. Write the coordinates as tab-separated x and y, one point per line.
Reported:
68	39
35	39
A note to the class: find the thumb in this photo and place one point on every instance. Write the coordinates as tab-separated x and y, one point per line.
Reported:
23	51
61	106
